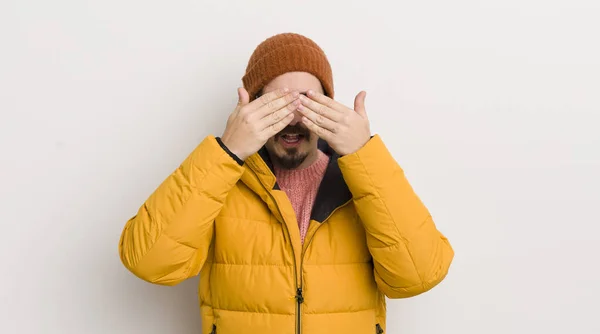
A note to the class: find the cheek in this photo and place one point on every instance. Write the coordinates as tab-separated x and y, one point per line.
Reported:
270	143
309	145
313	139
273	147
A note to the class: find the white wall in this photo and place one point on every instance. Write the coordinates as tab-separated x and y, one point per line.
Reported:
492	108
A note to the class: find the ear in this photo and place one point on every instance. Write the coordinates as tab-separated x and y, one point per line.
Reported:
359	103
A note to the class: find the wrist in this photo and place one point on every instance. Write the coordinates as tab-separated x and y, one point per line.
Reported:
232	152
357	147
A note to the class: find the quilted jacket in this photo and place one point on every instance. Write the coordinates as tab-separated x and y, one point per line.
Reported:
227	221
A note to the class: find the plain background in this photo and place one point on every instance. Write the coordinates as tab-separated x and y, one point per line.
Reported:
491	107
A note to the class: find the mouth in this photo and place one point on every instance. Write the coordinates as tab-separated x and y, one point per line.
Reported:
290	140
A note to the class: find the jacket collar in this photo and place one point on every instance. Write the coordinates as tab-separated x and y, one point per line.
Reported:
332	193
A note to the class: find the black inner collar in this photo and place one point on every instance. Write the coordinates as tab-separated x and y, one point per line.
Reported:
333	191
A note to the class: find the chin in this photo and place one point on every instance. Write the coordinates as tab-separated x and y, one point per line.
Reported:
286	157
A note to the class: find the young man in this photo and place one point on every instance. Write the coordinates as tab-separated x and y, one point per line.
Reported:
297	219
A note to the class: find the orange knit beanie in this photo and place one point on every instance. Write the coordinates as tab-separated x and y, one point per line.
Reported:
282	53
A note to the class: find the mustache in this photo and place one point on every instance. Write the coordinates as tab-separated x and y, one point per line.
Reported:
295	129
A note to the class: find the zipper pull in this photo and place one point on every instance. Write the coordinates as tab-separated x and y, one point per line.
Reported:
378	329
299	296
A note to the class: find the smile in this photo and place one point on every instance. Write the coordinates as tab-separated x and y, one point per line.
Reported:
291	140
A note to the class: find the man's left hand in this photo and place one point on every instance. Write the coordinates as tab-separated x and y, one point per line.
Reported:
344	129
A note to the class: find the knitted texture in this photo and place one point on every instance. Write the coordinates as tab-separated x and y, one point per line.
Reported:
282	53
301	186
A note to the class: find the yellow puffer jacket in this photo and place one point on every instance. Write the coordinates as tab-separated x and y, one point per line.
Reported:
369	237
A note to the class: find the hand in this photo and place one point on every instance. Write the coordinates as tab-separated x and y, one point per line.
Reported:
252	124
344	129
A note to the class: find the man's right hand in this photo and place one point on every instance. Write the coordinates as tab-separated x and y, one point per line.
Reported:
252	123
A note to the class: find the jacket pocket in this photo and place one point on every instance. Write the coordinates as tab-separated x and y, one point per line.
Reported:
378	329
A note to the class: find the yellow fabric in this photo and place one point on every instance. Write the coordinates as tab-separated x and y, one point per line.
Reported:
227	223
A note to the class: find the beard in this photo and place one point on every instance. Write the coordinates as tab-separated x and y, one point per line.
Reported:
292	157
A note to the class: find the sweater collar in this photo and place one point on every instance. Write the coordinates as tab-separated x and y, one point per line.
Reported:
332	193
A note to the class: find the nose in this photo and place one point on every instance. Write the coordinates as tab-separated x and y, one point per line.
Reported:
297	118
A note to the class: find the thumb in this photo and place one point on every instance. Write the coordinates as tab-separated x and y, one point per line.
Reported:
359	103
243	96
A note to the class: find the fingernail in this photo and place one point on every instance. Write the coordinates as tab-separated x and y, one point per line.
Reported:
311	93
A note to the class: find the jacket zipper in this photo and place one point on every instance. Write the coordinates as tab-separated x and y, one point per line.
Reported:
378	329
299	301
299	292
299	296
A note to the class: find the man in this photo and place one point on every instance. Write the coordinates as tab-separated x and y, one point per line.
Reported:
297	219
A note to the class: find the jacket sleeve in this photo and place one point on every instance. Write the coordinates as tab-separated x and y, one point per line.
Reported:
167	241
410	255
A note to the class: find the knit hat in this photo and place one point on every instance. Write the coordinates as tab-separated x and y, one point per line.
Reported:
282	53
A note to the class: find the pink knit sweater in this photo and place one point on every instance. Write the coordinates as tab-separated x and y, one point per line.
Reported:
301	186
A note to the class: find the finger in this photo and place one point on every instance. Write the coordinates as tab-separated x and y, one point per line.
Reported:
326	101
277	104
319	131
268	98
275	128
243	99
243	96
278	115
320	109
359	104
319	120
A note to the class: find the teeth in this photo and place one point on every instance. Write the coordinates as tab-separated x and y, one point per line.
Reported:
291	138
